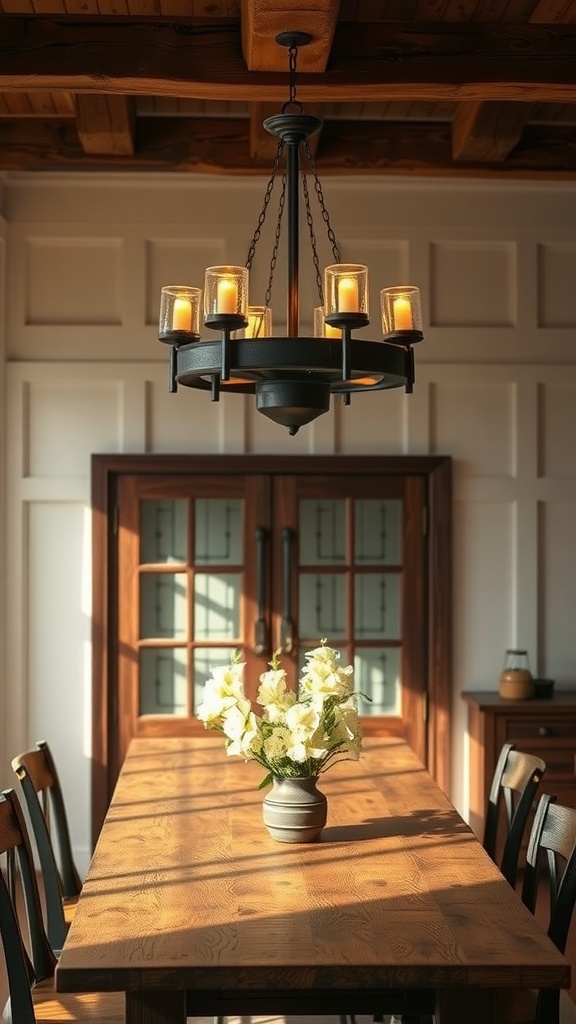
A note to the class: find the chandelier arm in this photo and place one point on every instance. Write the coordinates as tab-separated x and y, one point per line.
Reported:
173	370
346	339
409	388
225	367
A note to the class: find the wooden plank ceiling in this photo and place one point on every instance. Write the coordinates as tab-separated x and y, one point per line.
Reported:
427	87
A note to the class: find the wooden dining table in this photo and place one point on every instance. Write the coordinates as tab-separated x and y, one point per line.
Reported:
191	908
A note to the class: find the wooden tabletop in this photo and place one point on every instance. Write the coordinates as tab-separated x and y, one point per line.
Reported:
187	892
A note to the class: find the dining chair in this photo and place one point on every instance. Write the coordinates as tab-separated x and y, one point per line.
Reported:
31	994
515	783
38	777
551	866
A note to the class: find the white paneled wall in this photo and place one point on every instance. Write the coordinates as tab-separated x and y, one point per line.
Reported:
495	389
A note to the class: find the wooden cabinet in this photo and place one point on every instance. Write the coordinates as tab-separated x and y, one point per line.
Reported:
546	728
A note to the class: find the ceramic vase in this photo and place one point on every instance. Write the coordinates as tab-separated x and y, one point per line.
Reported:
294	810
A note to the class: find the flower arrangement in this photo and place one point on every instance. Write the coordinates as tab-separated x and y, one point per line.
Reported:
297	735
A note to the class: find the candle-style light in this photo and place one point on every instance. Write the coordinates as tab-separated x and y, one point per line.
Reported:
225	294
321	328
346	290
180	313
259	322
401	312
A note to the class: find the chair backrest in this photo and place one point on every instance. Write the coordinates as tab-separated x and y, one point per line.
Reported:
552	846
18	868
515	783
42	792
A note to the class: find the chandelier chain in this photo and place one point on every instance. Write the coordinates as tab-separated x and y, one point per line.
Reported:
278	232
310	222
293	57
322	204
264	210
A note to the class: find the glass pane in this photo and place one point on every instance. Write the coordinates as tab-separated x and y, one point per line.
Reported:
377	675
163	605
163	531
377	606
217	606
205	659
322	608
378	531
163	682
322	532
218	531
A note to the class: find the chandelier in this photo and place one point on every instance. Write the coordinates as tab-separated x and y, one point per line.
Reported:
292	377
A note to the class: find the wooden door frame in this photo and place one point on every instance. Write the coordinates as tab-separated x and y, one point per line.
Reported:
105	472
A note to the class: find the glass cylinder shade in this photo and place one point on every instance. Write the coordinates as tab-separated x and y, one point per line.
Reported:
346	288
259	322
225	291
321	328
401	309
179	310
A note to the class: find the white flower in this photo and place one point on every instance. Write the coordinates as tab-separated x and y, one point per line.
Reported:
297	734
245	738
234	719
303	720
322	674
221	693
347	732
273	696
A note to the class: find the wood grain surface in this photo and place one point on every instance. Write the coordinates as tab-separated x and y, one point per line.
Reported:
188	893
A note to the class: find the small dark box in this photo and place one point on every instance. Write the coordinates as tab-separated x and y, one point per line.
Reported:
543	688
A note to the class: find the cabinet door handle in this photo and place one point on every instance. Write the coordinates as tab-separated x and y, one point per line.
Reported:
287	625
260	627
544	730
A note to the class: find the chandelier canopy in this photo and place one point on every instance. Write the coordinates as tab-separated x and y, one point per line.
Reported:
292	377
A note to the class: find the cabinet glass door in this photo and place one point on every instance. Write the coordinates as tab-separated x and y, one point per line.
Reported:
214	568
349	577
191	556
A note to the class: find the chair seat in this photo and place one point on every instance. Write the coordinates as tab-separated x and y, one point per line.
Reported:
52	1007
69	907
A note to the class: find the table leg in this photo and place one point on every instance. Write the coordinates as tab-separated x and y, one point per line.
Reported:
473	1005
155	1007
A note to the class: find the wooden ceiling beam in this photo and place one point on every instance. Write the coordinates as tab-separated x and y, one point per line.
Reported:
262	21
106	124
40	103
488	131
373	62
222	147
263	145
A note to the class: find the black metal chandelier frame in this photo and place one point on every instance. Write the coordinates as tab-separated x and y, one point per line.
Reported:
294	376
